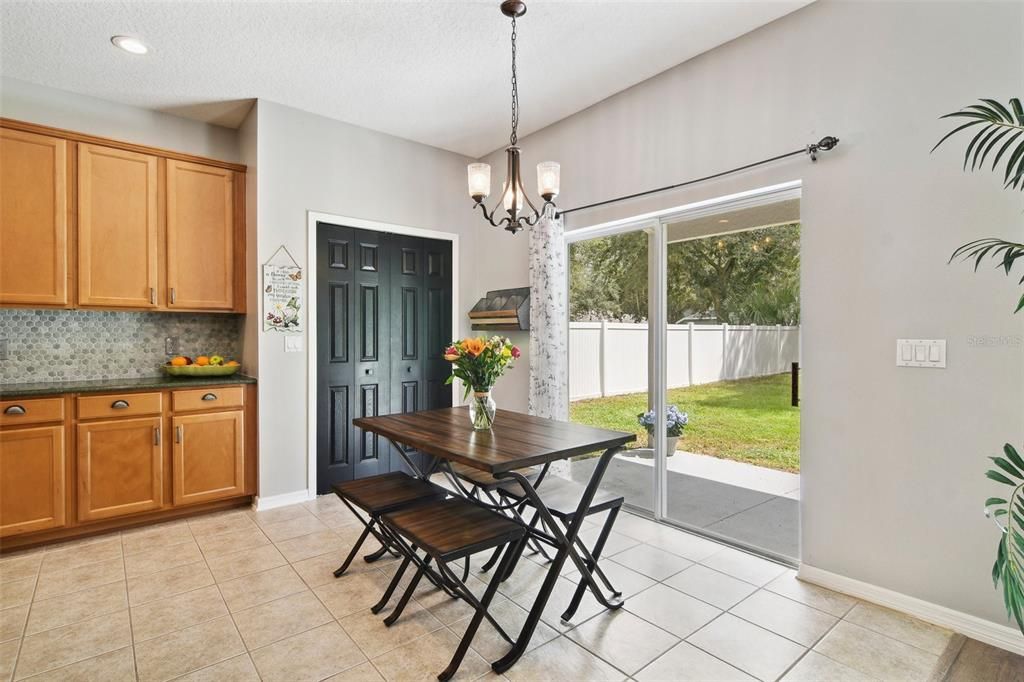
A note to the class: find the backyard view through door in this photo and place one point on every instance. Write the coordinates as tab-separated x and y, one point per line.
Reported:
732	344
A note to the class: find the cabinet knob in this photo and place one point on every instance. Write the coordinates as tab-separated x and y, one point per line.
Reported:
210	396
369	372
15	409
119	404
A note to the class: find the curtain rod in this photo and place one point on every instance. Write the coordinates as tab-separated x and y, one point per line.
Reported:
825	144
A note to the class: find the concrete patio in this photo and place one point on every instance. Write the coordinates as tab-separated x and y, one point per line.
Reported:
755	506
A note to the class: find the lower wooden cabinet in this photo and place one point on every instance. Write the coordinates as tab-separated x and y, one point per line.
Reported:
209	456
31	479
120	467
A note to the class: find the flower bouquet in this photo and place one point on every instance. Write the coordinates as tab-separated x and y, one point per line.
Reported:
479	363
675	422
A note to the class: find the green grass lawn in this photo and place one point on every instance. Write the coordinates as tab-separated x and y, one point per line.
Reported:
749	420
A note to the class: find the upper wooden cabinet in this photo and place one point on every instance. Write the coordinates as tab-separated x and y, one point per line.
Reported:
98	223
33	219
118	228
200	236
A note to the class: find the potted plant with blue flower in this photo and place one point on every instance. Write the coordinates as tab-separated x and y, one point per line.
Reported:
675	422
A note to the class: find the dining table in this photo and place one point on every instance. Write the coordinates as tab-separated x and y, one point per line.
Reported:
515	442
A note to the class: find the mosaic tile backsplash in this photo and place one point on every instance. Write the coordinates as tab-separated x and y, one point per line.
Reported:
79	345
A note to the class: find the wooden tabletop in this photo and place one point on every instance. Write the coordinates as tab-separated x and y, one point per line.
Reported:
516	440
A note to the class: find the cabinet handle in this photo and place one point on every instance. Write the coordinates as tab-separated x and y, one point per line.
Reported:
174	295
156	436
119	404
177	434
152	296
210	396
15	409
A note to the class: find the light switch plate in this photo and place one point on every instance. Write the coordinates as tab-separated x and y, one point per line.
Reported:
921	353
293	344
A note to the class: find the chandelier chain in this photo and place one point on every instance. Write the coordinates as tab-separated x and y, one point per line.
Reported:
514	137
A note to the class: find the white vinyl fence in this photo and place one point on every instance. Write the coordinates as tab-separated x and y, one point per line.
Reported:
610	358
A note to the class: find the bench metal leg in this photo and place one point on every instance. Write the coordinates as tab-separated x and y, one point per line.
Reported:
591	562
407	595
352	553
395	580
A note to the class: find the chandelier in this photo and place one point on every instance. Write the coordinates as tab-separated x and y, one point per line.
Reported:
513	195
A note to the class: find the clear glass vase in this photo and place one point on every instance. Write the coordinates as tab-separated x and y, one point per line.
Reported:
481	410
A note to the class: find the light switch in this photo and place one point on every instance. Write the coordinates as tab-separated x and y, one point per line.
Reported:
293	343
921	353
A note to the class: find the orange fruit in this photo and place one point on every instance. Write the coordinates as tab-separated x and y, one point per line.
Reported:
179	361
202	361
232	363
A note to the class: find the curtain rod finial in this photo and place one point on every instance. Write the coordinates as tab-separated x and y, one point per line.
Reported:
825	144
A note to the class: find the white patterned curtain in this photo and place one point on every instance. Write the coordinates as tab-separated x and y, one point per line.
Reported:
549	321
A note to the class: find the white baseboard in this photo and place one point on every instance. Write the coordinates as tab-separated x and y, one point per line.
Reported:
283	500
996	634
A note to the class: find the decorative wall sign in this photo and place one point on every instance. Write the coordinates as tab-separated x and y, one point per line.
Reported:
282	296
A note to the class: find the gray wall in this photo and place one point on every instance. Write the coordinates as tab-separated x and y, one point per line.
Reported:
893	458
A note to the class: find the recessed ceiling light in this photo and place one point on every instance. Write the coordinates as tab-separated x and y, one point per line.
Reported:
130	44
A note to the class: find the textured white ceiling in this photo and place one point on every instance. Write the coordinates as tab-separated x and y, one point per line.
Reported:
437	73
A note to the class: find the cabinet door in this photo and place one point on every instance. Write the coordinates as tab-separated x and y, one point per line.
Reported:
31	479
33	219
200	237
120	468
118	228
209	457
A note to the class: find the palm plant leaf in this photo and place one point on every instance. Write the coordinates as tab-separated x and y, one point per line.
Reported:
1006	253
994	126
1008	569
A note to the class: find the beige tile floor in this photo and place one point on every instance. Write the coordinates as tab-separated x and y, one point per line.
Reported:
246	596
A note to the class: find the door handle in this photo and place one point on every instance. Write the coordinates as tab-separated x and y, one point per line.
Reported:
156	436
369	372
152	296
119	404
174	295
209	396
177	434
15	409
409	368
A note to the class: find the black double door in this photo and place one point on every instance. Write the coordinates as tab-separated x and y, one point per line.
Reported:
384	316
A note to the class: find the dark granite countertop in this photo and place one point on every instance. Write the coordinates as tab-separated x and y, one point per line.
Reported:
109	385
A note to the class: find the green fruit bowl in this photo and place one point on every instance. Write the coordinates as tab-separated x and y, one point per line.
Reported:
201	370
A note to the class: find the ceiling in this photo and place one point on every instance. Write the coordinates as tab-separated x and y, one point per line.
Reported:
433	72
766	215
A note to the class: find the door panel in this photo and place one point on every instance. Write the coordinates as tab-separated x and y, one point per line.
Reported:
437	313
33	219
406	267
31	479
372	365
209	457
120	467
117	228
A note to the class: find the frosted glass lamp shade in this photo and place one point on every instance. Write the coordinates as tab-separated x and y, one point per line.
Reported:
548	178
479	180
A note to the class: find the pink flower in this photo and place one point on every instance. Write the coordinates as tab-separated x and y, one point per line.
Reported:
516	352
451	354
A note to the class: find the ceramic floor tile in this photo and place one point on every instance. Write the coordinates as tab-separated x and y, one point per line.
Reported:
113	666
312	655
184	651
717	589
785	617
834	603
624	640
181	611
12	622
76	579
73	608
874	654
671	610
237	669
217	524
285	530
292	511
743	645
653	562
16	592
314	544
424	658
631	525
8	657
561	596
72	643
364	672
814	667
20	567
246	562
528	575
489	644
561	659
616	542
325	504
375	638
906	629
746	567
687	663
168	583
161	558
681	543
625	580
341	520
250	590
319	570
352	593
267	623
234	541
79	556
153	537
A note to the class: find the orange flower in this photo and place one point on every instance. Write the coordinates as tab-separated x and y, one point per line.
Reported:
474	346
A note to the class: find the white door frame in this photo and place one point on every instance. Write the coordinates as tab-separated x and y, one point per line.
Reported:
312	218
656	225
